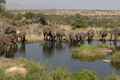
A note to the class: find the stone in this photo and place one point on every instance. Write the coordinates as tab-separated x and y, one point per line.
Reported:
13	71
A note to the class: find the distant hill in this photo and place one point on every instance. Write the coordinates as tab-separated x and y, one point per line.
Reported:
83	12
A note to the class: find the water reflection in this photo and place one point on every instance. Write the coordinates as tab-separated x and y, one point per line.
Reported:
116	66
59	46
11	54
48	48
59	55
22	48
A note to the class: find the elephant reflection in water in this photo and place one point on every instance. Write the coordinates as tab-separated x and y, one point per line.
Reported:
48	48
22	48
59	45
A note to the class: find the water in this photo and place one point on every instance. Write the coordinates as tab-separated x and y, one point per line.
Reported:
60	56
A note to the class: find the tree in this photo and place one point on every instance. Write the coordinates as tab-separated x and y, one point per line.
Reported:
78	21
2	3
29	15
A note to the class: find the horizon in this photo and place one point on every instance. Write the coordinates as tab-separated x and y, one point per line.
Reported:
66	4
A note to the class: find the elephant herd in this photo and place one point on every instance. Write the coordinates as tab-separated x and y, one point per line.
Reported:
9	40
81	36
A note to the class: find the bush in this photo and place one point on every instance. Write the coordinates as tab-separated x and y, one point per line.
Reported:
61	74
114	77
85	75
116	59
78	21
89	53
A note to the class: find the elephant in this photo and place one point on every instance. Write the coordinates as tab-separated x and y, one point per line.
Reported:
7	44
21	38
59	36
82	36
115	33
103	35
75	38
49	36
90	35
72	37
45	35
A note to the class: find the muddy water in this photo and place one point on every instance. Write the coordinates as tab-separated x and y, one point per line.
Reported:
59	55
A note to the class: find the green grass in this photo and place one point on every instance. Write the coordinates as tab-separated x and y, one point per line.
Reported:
113	77
89	53
40	72
85	75
116	60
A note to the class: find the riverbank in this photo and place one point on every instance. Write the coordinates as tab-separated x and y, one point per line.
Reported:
21	69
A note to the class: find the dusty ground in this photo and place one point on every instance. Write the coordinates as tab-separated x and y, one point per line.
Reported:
13	67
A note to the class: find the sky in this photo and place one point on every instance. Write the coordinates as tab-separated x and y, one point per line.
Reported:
63	4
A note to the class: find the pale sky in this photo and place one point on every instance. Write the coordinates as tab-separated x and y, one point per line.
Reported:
63	4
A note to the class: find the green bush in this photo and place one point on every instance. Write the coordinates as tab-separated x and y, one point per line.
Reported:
85	75
89	53
78	21
61	74
114	77
116	59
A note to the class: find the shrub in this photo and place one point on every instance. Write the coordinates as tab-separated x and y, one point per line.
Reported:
114	77
85	75
116	59
88	53
78	21
61	74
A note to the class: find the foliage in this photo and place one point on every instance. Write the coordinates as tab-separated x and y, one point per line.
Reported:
61	74
78	21
103	46
39	72
18	16
116	59
29	15
88	53
2	2
85	75
114	77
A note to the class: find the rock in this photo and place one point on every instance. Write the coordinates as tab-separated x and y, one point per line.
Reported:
13	71
107	50
107	61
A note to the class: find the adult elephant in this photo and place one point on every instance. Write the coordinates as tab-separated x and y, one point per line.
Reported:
60	35
49	34
72	37
103	34
90	34
77	37
115	33
82	36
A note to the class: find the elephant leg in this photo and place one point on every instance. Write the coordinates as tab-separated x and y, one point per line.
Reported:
111	36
